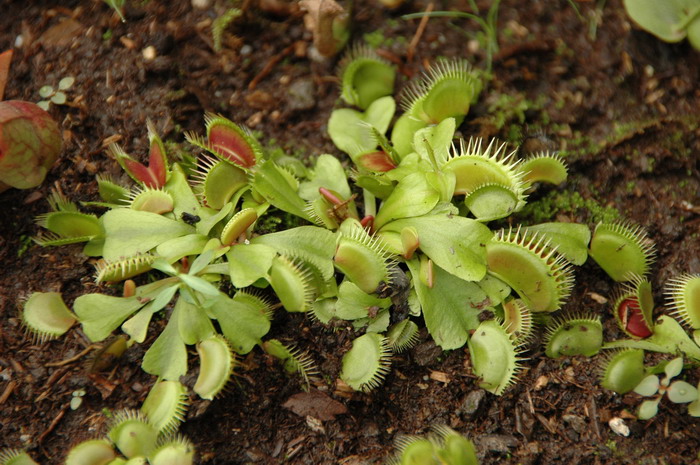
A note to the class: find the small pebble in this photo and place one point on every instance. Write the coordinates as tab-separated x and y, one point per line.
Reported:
149	53
246	50
201	4
618	425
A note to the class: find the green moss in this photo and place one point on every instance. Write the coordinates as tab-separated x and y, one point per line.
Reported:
546	208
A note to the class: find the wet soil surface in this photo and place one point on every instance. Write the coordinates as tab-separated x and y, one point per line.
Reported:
621	105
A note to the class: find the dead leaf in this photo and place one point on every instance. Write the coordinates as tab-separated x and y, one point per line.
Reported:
62	34
315	404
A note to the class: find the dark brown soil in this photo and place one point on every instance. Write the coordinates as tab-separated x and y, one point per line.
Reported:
622	104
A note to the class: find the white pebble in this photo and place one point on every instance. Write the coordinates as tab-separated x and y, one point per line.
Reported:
618	425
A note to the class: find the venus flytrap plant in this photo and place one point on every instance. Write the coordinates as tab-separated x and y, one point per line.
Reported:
293	360
633	305
443	446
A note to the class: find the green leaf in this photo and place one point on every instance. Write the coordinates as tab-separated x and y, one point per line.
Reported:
209	218
193	322
674	367
680	392
167	357
279	187
434	142
648	386
101	314
413	196
131	232
661	18
175	249
669	337
450	308
328	173
349	129
249	262
242	323
648	409
353	303
570	239
137	325
199	284
310	243
454	243
179	189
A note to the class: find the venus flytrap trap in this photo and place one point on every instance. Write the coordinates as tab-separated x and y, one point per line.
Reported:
443	446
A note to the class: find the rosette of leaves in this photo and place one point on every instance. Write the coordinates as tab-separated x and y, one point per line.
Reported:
678	392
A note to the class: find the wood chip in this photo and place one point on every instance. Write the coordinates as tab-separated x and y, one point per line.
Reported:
597	298
440	376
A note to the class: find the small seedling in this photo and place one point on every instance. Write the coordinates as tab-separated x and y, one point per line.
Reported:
678	392
55	96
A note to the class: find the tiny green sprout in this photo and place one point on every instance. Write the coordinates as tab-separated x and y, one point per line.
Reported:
403	335
65	224
580	335
77	399
132	434
293	359
15	457
495	356
46	316
55	96
543	167
633	305
622	250
91	452
488	178
166	405
362	258
621	371
228	141
367	362
678	392
517	320
541	277
365	77
446	91
216	366
683	296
